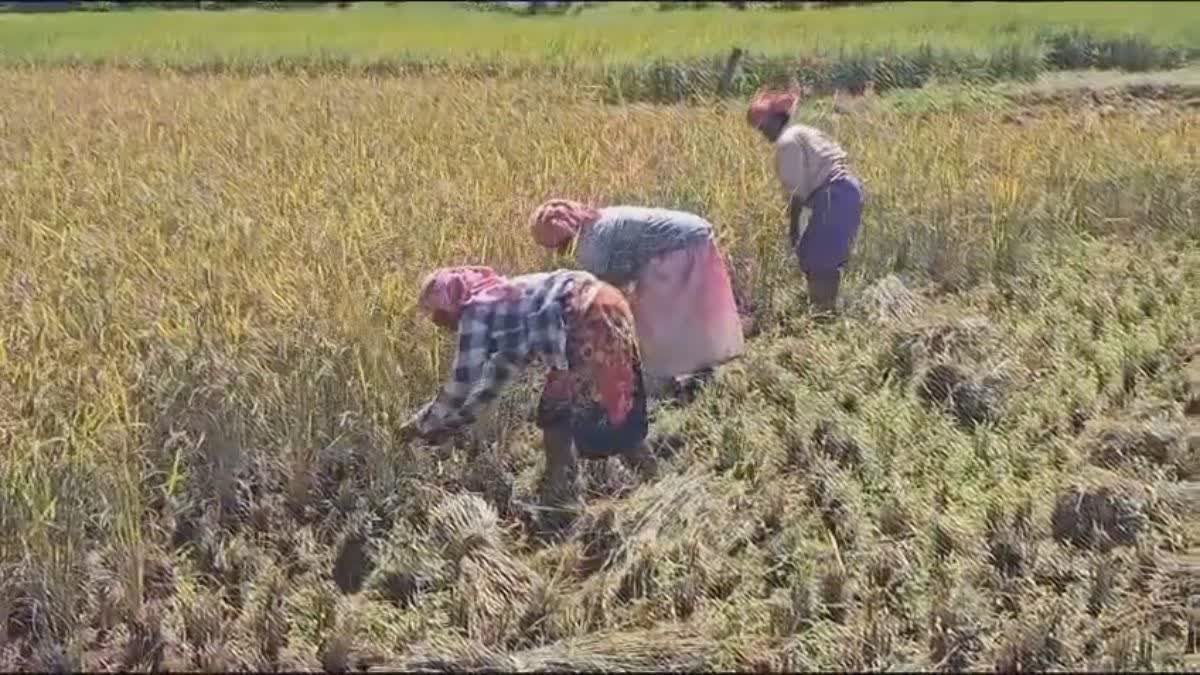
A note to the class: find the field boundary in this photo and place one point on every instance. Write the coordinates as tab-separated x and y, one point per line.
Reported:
665	82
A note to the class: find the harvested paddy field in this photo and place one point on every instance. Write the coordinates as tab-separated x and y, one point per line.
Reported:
208	346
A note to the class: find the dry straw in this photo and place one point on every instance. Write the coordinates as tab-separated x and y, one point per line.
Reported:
492	590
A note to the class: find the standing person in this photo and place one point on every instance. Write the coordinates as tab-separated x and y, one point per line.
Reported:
813	172
578	326
683	305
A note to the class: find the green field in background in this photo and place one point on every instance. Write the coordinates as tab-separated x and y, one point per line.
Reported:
619	33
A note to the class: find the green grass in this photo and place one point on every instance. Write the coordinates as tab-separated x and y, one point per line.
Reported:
603	35
635	52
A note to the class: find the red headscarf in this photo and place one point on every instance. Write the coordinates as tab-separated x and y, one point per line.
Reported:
450	289
558	221
767	104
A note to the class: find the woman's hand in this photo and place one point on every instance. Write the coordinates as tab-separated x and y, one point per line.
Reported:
795	208
437	437
408	432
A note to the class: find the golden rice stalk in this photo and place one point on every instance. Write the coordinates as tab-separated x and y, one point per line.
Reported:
493	592
670	506
647	542
448	653
462	523
887	300
677	509
666	648
1183	497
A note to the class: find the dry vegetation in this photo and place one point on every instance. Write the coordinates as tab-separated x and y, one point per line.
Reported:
207	345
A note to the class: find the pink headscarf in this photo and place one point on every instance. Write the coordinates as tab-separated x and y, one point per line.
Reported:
767	104
450	289
558	221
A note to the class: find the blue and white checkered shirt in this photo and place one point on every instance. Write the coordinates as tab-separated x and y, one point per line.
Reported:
498	338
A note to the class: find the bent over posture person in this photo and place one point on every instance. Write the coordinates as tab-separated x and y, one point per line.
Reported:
812	170
578	326
683	304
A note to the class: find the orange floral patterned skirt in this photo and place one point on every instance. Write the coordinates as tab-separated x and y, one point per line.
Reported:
601	396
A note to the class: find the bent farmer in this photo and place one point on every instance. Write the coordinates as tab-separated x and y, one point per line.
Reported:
685	314
813	172
578	326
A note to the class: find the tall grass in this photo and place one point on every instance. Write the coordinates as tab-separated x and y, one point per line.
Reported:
207	344
167	183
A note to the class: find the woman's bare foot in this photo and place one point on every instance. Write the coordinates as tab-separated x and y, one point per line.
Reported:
641	460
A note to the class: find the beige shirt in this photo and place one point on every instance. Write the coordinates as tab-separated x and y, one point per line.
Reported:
805	158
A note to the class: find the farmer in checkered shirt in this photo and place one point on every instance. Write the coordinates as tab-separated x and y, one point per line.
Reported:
580	327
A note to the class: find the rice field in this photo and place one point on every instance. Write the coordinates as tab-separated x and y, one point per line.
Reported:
618	32
631	51
208	345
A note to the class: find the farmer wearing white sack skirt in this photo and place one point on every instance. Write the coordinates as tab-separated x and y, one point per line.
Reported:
683	304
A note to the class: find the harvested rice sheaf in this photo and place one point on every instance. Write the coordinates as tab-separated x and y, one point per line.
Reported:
887	300
461	523
492	593
492	590
668	647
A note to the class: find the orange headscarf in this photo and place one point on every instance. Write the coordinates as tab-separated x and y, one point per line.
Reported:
558	221
450	289
767	104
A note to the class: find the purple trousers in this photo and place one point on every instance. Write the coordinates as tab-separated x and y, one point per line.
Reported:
836	215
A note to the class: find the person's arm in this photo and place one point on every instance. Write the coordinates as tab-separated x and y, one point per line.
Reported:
795	207
476	379
792	166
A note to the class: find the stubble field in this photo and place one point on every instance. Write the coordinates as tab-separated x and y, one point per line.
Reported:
208	343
